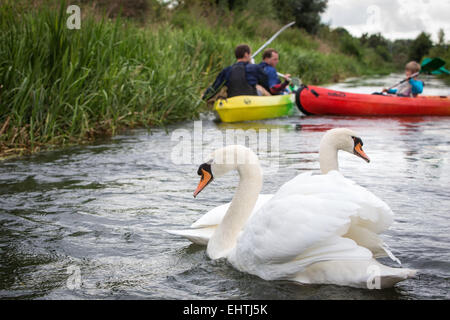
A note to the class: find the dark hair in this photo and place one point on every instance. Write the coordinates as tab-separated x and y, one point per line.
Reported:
268	53
240	51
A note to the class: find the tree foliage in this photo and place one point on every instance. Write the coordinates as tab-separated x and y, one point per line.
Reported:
306	13
420	46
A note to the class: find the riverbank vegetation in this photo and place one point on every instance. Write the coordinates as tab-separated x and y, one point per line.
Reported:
144	63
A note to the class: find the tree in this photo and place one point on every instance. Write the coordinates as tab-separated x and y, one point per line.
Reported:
376	40
400	51
420	47
306	13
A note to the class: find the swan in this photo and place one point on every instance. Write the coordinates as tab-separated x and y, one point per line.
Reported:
316	229
201	230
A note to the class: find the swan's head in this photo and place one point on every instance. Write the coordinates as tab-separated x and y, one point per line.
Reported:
346	140
224	160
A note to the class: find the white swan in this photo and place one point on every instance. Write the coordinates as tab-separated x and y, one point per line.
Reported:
315	229
201	230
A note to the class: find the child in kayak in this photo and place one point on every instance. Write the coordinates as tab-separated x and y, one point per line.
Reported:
412	87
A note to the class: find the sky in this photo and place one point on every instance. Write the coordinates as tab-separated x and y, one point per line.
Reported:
394	19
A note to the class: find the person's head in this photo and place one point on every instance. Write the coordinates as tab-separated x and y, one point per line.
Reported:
411	68
271	57
242	53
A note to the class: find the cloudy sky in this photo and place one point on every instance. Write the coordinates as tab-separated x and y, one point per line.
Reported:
395	19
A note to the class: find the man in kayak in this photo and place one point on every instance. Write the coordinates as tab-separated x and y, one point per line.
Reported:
412	87
269	63
242	78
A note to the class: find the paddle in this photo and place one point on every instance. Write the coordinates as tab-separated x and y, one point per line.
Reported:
407	79
271	39
294	80
441	70
428	65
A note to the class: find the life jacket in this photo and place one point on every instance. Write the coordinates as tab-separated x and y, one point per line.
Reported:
237	82
405	89
264	65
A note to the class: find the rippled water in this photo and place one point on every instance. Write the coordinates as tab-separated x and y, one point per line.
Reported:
97	213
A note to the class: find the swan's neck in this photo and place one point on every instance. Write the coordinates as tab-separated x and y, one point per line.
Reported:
225	237
328	156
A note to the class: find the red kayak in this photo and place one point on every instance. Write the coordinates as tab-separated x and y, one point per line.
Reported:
316	100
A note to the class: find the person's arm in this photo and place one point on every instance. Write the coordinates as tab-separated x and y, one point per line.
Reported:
392	91
217	85
272	77
274	83
279	87
417	86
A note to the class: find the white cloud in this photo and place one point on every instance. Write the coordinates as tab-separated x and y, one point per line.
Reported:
395	19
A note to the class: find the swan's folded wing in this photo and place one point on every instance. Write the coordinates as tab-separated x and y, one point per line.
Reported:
289	233
373	213
294	228
373	216
199	236
215	215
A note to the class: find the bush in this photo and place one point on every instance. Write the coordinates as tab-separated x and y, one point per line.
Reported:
383	52
350	46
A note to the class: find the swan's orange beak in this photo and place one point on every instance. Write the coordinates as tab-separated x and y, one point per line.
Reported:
204	180
360	153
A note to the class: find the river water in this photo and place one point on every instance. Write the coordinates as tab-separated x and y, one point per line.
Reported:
88	222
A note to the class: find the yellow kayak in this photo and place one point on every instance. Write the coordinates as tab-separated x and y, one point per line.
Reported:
245	108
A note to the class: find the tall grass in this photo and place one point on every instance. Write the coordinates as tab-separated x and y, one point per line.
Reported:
61	86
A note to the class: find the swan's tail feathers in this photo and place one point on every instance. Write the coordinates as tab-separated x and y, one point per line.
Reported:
390	254
395	275
199	236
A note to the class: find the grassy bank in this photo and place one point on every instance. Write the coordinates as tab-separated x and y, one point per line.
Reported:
62	87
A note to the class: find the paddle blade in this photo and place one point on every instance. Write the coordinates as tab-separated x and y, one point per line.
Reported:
429	65
441	70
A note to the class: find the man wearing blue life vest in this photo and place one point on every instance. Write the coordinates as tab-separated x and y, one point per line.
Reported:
270	60
242	78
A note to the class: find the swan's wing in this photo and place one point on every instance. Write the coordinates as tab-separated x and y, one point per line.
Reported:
199	236
215	215
373	215
288	234
202	229
309	220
